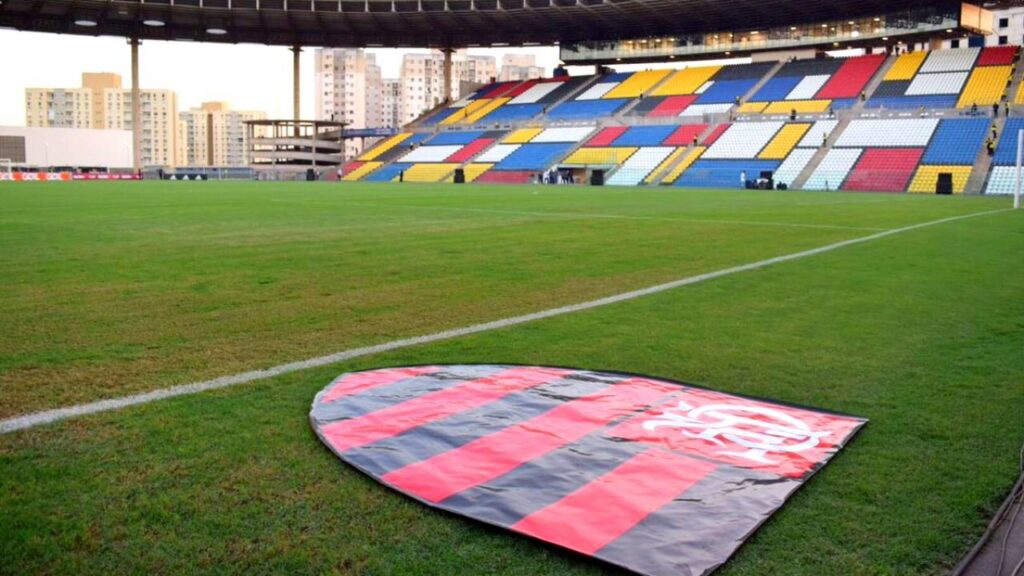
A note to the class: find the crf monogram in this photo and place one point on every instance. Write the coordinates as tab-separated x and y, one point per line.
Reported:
738	425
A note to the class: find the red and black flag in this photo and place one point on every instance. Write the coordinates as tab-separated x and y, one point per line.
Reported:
658	477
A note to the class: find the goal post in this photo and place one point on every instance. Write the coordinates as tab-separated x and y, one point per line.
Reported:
5	167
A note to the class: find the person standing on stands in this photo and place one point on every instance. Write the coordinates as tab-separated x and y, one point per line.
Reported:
974	109
743	179
792	114
695	140
990	146
863	96
1006	108
401	176
995	109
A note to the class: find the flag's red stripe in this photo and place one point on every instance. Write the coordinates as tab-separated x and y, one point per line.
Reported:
603	510
385	423
353	383
488	457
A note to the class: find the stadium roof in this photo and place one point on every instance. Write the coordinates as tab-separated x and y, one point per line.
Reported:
421	23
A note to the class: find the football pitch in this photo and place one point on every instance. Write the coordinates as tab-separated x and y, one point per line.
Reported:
109	290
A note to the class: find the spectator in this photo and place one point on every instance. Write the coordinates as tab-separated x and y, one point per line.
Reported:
1006	108
401	176
974	109
743	179
792	114
863	96
995	109
694	140
990	146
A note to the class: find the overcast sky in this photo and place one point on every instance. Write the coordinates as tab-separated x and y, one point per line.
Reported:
248	76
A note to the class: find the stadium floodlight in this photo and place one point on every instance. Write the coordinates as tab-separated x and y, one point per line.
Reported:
153	22
85	22
215	31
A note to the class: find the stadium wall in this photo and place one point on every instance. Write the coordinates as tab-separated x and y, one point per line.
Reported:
67	147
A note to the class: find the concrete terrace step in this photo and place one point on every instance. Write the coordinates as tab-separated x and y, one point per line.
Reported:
799	181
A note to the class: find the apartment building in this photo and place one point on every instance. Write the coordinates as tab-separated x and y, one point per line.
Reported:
214	135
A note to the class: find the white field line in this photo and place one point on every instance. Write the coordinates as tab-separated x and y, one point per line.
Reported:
48	416
586	215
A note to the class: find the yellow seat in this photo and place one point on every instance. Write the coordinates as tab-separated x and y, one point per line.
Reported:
784	142
686	81
686	163
361	172
522	136
985	87
428	172
465	111
600	156
384	146
905	67
926	177
801	106
653	176
637	84
472	172
479	113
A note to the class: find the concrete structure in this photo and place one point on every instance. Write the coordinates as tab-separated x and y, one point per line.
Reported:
214	135
390	103
102	103
424	80
519	67
66	147
289	148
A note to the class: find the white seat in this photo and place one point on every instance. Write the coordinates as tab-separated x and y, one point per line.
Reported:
884	133
830	174
742	141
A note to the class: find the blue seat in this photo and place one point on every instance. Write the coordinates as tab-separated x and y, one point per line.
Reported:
644	136
724	173
439	116
534	156
453	138
510	113
726	91
956	142
776	89
386	173
586	109
1006	151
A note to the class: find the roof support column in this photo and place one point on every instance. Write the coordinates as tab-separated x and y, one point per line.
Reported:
447	73
296	100
136	108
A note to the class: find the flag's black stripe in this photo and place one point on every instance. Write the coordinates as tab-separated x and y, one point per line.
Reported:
703	526
443	435
379	397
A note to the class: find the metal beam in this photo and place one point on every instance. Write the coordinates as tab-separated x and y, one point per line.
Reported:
136	107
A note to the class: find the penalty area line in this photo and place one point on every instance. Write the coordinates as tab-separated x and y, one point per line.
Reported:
48	416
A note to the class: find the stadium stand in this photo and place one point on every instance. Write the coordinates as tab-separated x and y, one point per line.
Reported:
1001	178
961	77
814	85
572	128
701	90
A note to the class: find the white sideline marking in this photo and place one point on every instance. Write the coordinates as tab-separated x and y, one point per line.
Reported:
584	215
48	416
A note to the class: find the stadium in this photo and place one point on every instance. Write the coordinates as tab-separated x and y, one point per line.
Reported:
735	289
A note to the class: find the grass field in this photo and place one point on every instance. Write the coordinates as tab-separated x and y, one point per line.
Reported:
110	289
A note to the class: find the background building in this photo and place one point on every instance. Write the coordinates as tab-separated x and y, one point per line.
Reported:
519	67
101	103
347	87
214	135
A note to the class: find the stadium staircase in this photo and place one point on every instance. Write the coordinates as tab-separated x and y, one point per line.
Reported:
983	164
869	90
819	155
760	84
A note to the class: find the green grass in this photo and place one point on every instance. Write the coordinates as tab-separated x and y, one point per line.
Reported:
109	289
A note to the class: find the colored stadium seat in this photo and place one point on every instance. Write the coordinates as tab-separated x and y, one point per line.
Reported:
915	132
644	136
430	153
665	164
949	60
852	77
384	146
692	156
569	134
724	173
359	170
586	110
883	170
606	136
742	140
506	177
429	172
800	106
473	171
926	177
986	86
684	135
686	81
814	137
470	150
386	173
831	173
522	136
599	156
906	66
639	165
533	157
956	141
498	153
1006	149
794	164
638	83
997	56
784	141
